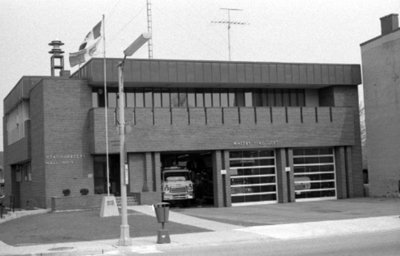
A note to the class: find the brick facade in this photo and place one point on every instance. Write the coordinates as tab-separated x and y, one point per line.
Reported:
65	131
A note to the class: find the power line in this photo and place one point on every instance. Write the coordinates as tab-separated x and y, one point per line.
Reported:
114	37
229	22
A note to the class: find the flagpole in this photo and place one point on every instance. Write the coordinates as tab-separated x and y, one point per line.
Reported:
106	104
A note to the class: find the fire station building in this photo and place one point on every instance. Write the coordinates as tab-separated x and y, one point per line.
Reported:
250	132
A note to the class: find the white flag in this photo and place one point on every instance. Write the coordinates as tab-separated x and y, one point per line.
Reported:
88	47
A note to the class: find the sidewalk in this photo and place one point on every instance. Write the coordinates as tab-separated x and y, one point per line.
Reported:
232	233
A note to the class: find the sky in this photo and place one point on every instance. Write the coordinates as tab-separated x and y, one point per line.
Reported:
302	31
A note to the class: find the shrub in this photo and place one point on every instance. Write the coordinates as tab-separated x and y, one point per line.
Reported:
84	191
66	192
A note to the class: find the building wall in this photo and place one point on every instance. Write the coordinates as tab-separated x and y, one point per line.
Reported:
381	60
65	131
227	128
38	183
66	157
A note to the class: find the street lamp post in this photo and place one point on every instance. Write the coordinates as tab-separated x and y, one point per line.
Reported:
125	237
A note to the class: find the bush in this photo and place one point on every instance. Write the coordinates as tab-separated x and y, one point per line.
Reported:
66	192
84	191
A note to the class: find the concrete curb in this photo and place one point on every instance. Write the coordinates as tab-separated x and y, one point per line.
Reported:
142	245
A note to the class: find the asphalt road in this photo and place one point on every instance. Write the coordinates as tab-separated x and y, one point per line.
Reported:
367	244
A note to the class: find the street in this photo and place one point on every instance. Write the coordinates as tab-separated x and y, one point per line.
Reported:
378	243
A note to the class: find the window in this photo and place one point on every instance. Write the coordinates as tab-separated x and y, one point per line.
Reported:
139	99
174	99
248	99
232	99
191	97
157	99
15	122
215	99
182	99
112	99
207	99
199	99
240	99
224	99
148	99
165	99
130	99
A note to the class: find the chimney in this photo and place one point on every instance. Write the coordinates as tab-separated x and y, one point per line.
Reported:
389	23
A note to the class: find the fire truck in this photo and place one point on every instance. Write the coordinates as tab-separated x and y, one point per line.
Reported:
176	184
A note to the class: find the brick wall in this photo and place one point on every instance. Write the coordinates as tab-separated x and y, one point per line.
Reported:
348	97
223	128
65	156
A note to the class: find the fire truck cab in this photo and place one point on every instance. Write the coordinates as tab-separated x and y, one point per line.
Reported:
176	184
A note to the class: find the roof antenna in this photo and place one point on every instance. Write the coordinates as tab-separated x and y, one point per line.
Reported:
149	29
229	22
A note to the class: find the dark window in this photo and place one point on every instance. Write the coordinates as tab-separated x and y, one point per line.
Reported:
293	98
286	98
278	97
257	98
240	101
270	97
301	98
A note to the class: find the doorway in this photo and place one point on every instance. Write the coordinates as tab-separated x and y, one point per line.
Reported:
100	175
199	164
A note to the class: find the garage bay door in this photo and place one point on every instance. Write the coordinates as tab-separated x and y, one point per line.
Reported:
253	176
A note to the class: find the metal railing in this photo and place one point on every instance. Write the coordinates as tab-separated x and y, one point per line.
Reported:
3	208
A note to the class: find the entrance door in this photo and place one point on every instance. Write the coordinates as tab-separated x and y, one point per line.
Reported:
253	177
314	173
16	189
100	175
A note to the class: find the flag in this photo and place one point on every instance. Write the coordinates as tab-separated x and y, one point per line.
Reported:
88	47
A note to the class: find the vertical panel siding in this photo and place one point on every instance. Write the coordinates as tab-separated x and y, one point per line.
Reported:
215	72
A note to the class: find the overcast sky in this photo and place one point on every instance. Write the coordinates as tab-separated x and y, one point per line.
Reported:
317	31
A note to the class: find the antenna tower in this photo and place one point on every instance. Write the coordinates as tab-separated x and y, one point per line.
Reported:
229	22
149	29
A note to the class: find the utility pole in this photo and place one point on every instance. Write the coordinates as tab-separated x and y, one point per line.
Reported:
149	29
229	22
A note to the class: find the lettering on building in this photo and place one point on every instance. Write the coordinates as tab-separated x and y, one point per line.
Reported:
259	143
63	158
